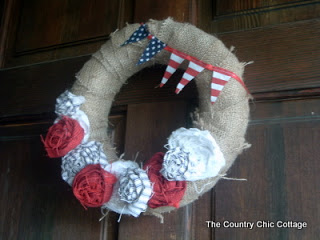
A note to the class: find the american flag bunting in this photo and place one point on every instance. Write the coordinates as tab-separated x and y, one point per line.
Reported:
219	80
220	76
138	35
173	64
192	71
154	46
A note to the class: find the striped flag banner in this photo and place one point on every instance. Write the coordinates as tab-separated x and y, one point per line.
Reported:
173	64
192	71
219	80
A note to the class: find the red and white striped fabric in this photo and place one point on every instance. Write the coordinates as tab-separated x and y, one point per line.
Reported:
192	71
219	80
174	63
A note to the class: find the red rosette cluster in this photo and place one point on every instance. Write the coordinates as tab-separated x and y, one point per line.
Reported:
165	193
62	137
93	186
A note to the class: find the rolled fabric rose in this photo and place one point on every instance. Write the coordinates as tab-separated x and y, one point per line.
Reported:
122	202
93	186
135	189
68	104
176	164
165	193
193	154
84	154
62	137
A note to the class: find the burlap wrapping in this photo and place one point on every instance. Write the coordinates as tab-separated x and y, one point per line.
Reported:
103	75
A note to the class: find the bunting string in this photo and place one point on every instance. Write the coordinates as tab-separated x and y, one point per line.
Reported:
220	76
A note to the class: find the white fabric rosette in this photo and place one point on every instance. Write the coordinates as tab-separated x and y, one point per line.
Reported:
192	155
83	155
132	191
68	104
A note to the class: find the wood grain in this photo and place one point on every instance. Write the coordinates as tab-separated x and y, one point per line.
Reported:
48	30
281	36
49	24
229	16
223	7
294	69
302	177
155	122
285	56
35	202
295	46
117	130
33	89
281	171
8	25
145	10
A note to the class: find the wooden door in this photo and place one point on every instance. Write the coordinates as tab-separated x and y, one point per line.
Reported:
44	43
282	38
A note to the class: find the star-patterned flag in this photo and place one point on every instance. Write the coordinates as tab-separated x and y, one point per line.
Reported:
154	46
138	35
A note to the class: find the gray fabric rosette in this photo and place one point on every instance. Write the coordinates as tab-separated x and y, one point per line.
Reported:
84	154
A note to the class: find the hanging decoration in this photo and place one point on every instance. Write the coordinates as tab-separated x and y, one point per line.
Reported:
165	192
220	76
154	46
138	35
93	186
198	156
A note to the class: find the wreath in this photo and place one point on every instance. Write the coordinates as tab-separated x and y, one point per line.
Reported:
196	158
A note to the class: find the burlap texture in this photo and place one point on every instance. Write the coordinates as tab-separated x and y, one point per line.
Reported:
102	76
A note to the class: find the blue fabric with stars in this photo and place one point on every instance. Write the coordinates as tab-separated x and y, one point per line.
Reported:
138	35
154	46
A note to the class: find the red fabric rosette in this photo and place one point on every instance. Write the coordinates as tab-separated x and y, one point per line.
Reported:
93	186
165	193
62	137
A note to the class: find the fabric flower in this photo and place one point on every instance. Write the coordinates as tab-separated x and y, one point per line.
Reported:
135	189
192	155
84	154
62	137
176	161
129	197
165	193
93	186
67	104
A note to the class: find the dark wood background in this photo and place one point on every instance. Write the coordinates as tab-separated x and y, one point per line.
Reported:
44	43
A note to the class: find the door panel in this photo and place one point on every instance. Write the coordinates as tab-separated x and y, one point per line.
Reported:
148	127
38	31
35	202
281	167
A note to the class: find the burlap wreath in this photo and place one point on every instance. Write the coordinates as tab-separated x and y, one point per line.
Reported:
102	77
